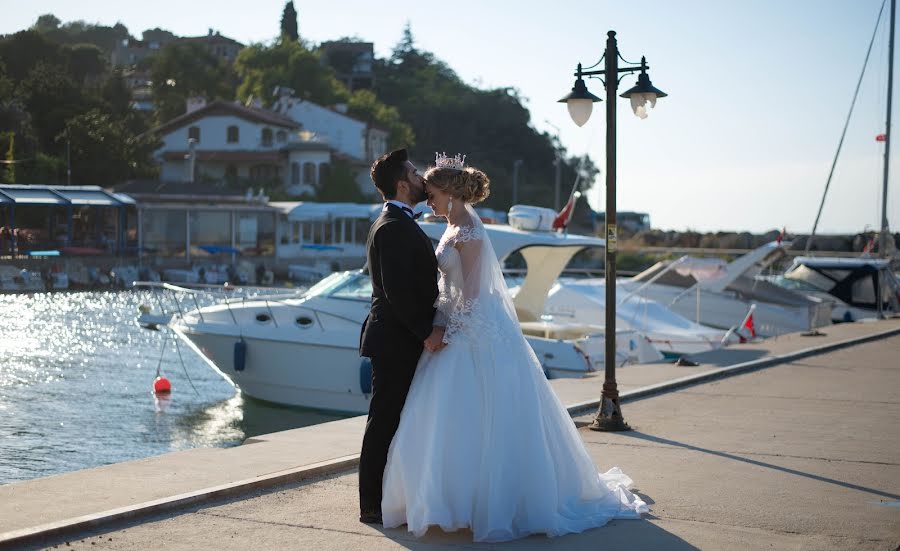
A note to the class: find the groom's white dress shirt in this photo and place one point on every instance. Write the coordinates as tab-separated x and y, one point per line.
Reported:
403	206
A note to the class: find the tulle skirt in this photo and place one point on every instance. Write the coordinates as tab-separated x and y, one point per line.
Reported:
484	443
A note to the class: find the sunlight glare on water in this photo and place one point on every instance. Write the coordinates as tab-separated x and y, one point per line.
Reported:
75	388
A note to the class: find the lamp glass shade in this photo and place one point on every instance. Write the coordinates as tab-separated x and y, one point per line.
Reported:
580	110
639	103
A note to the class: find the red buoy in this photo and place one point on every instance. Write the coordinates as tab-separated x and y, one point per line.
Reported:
162	385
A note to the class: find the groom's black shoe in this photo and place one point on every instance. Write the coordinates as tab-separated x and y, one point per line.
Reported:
370	517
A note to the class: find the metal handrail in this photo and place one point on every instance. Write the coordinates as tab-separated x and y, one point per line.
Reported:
267	301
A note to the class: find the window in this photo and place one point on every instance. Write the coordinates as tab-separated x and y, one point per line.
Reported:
165	232
295	174
296	228
194	133
210	228
255	234
281	136
267	136
231	174
309	174
259	173
233	135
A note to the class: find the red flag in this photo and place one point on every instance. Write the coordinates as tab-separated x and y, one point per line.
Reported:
562	219
870	245
780	237
881	138
749	325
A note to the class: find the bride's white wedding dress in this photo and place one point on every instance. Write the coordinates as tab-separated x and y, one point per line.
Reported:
483	441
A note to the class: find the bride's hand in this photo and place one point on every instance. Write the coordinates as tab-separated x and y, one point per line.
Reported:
435	340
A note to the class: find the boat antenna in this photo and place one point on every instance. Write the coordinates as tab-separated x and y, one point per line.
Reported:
847	122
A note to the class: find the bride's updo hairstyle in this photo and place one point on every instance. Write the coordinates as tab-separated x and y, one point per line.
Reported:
468	184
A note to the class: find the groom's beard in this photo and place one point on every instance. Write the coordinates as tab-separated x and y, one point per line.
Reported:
418	194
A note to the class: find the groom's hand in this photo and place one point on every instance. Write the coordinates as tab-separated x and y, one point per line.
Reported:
435	340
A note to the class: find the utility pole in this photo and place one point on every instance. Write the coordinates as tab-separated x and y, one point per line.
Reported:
515	196
557	163
68	159
885	231
192	158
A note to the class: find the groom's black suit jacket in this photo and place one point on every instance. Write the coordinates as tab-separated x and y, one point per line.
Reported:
403	269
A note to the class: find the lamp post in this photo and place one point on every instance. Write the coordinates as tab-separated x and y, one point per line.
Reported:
580	104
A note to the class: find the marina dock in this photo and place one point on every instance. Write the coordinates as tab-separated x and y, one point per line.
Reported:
789	442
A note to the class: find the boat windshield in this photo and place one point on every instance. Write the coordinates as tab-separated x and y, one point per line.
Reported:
358	287
811	277
789	284
328	284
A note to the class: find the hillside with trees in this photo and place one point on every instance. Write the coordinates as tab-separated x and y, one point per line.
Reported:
60	96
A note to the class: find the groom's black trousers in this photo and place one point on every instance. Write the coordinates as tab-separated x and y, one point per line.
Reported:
392	374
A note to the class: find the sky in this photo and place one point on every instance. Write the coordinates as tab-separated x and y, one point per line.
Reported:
758	91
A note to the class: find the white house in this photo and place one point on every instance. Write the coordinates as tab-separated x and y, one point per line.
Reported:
241	146
353	140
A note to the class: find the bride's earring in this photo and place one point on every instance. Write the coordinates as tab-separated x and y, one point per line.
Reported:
449	207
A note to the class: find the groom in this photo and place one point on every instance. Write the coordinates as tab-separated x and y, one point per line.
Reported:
404	288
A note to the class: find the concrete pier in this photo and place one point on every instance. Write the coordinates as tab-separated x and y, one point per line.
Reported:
803	454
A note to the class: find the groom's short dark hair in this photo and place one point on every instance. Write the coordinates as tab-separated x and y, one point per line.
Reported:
387	169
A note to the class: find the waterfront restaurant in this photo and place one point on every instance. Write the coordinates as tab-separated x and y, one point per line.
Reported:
68	220
334	232
180	224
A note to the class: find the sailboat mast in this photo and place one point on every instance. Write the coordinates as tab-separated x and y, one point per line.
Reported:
882	246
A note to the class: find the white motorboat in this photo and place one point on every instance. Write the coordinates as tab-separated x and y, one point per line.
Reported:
719	294
15	280
302	349
673	335
857	285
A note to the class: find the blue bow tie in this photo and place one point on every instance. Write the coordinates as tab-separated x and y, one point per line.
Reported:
415	215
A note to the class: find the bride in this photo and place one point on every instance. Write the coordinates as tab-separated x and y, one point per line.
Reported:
483	441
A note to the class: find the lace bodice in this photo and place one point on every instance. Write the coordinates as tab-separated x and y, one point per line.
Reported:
450	265
458	290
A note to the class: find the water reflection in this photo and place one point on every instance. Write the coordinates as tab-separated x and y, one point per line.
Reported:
75	389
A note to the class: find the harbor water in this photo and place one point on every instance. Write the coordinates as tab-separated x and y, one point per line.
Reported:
76	373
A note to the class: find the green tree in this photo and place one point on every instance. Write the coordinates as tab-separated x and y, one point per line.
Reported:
25	49
52	97
289	23
365	105
181	71
46	22
261	68
116	94
104	151
80	32
84	61
339	185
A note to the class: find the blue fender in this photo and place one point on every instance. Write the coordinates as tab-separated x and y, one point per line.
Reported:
240	355
365	376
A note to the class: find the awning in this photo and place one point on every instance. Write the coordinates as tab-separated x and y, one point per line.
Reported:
92	197
124	199
27	195
313	212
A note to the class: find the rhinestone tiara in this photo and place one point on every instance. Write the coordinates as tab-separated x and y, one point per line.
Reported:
441	160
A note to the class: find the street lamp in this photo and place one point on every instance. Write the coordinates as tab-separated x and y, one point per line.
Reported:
580	103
